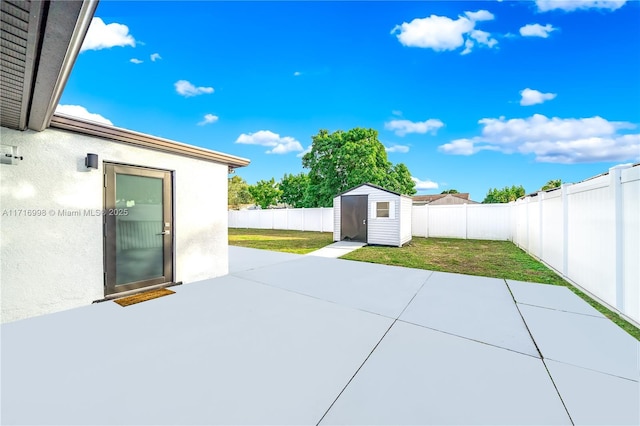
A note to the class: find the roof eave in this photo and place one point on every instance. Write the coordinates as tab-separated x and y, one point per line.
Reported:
143	140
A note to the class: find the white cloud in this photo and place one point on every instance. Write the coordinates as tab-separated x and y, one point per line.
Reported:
571	5
483	37
424	184
553	140
81	112
534	97
458	147
397	113
208	119
103	36
481	15
155	56
135	61
279	145
402	127
297	73
441	33
184	88
397	148
536	30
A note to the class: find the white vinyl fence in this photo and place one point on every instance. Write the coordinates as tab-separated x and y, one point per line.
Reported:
318	219
588	232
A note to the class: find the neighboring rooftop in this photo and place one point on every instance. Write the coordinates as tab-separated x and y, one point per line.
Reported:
442	199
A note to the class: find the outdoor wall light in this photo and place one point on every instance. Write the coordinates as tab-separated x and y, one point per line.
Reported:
91	161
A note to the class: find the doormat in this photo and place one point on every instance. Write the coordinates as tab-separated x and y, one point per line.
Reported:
143	297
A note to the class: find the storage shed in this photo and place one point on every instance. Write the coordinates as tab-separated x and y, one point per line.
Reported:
372	215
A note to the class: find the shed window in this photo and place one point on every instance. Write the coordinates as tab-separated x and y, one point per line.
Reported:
382	209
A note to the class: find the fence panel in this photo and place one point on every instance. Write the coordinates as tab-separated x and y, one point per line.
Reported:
533	226
630	182
488	221
552	230
447	221
419	221
327	219
591	238
313	220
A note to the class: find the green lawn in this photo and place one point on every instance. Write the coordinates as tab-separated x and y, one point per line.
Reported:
276	240
498	259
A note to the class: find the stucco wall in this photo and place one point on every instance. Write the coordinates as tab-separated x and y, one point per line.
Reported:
54	262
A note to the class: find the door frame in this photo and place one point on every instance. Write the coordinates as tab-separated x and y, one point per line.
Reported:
110	214
366	215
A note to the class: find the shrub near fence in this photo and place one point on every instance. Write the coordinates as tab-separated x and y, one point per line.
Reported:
588	232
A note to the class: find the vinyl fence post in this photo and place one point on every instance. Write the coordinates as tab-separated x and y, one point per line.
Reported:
426	222
565	228
540	212
466	221
528	250
615	183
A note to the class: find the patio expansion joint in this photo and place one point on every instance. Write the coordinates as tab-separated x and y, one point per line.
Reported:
356	372
595	371
468	338
562	310
262	266
539	352
317	298
375	347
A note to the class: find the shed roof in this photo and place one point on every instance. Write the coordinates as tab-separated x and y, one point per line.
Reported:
372	186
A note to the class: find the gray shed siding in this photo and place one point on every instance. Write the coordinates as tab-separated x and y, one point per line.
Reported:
406	210
383	231
336	219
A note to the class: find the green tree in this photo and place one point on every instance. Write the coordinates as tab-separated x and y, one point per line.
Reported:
554	183
265	193
504	195
450	191
399	180
238	193
294	189
341	160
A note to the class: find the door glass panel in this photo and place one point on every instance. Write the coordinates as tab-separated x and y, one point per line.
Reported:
139	239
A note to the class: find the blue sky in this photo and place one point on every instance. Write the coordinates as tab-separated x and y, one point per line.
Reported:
469	95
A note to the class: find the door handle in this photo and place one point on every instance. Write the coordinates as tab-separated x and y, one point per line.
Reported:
164	233
364	221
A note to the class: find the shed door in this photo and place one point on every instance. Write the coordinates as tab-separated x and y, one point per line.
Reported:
138	222
353	217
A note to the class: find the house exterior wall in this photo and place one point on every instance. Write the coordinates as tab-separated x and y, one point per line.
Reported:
383	231
55	262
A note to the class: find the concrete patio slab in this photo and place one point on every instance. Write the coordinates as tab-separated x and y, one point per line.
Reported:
550	296
243	259
477	308
235	351
337	249
594	398
584	341
227	351
380	289
419	376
